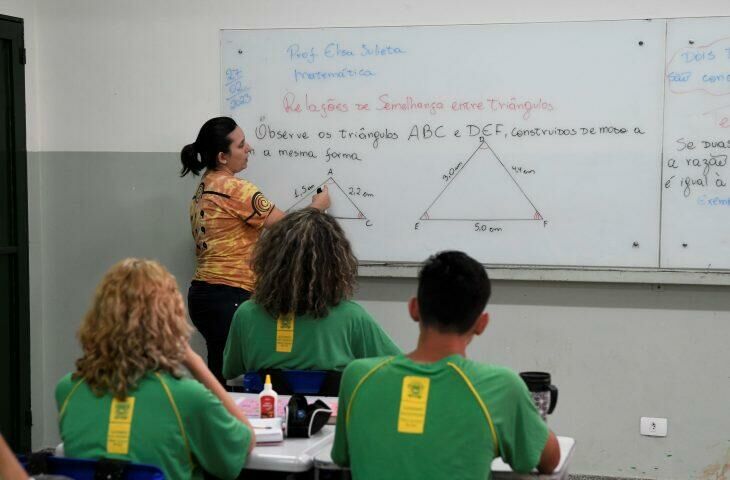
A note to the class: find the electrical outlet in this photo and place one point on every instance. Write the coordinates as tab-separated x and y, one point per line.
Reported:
653	427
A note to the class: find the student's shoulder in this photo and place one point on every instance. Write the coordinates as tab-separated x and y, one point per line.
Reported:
189	394
64	386
250	308
357	369
490	373
353	311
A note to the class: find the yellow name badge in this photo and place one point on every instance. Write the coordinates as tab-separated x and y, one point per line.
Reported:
413	402
120	426
285	333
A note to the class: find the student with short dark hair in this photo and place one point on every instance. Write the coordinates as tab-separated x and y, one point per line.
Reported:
433	413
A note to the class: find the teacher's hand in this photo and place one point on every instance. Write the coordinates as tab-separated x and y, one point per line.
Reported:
321	201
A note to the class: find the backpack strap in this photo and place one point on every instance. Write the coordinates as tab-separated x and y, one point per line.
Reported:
179	419
481	404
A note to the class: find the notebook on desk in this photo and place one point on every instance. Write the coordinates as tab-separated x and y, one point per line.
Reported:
267	430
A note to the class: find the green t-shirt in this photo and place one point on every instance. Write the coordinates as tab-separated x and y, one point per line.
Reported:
401	419
149	429
256	340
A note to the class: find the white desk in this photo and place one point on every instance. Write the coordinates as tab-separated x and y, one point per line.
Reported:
500	470
293	454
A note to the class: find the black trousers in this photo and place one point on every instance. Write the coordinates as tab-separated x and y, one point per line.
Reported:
211	308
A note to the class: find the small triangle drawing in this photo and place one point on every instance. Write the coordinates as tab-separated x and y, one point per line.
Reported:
487	192
342	207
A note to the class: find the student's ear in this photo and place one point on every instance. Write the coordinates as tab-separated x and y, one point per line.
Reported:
481	323
413	309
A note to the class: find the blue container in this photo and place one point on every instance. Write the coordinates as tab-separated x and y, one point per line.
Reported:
305	382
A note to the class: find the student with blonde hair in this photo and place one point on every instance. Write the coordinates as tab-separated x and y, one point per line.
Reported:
128	398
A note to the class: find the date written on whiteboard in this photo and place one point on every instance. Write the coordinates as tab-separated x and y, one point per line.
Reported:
238	93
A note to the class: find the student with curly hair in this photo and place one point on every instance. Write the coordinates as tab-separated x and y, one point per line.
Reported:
128	399
300	316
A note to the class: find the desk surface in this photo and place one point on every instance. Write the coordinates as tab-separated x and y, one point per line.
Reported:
293	454
500	470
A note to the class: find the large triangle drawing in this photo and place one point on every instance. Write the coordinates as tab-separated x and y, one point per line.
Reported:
342	207
484	190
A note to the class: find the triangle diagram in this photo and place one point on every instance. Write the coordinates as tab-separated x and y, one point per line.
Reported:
342	207
483	189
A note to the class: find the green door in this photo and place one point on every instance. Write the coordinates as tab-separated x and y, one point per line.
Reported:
15	419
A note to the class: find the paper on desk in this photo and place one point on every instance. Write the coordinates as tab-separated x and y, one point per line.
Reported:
267	430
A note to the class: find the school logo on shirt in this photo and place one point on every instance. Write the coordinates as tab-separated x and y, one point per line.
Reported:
120	426
285	333
413	402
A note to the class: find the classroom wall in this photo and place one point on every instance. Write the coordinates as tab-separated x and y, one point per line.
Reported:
116	88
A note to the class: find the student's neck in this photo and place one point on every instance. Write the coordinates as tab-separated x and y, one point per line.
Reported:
434	346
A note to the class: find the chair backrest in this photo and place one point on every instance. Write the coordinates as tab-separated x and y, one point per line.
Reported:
80	469
288	382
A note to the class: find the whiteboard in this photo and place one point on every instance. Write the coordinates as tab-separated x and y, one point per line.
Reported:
696	199
521	144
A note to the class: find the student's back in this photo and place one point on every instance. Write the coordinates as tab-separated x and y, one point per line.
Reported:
179	433
127	398
301	316
383	402
347	332
432	413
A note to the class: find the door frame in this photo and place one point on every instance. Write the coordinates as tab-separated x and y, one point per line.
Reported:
19	434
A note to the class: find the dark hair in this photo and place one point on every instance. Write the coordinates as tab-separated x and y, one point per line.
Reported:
453	290
303	264
212	139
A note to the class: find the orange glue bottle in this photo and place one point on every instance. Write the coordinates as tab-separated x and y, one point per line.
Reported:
268	400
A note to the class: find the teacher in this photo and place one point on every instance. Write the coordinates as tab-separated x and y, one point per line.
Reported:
227	215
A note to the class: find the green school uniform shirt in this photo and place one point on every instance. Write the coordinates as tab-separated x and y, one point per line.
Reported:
401	419
256	340
150	427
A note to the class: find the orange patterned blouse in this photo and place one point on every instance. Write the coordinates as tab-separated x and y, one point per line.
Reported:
226	215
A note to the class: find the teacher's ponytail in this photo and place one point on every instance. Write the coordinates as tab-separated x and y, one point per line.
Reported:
190	161
212	140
